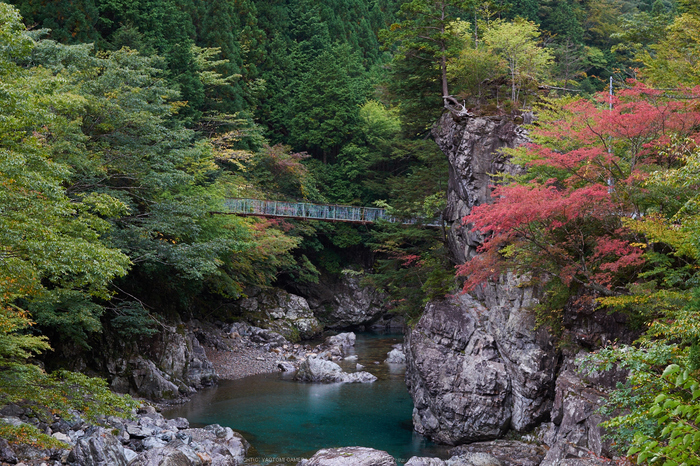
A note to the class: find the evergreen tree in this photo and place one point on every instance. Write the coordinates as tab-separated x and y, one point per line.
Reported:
69	21
425	34
325	107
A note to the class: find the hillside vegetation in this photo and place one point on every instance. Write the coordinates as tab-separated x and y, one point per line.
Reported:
124	126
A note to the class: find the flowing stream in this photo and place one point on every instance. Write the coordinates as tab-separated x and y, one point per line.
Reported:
286	420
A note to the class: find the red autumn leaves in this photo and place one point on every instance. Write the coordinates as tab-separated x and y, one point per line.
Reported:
586	172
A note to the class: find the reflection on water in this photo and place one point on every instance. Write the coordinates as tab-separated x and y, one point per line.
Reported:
284	419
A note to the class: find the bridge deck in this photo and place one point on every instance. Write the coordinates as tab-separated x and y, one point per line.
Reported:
304	210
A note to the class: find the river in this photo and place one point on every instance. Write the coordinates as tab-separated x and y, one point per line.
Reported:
286	420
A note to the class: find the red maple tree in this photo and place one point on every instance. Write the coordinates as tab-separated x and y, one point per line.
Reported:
586	171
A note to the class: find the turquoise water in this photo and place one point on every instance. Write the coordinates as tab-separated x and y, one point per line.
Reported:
286	420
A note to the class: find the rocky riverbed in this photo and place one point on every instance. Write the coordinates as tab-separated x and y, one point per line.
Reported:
148	439
243	350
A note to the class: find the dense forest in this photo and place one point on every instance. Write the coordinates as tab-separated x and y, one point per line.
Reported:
125	125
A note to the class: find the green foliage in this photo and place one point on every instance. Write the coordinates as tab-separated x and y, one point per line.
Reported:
472	70
424	41
324	115
412	267
516	43
52	243
27	434
412	263
131	320
60	393
655	413
52	246
674	60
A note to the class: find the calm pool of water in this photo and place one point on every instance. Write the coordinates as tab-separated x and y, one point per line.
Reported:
283	419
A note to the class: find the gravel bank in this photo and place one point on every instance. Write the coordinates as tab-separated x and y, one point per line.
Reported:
242	362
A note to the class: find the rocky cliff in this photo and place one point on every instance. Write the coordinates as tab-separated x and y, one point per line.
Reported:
476	364
473	147
476	371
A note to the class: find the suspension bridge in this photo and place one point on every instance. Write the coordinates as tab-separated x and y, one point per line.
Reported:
308	211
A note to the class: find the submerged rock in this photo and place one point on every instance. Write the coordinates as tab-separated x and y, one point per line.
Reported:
396	356
349	456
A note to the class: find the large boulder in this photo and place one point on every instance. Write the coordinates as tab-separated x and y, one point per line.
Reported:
349	456
460	387
282	312
476	369
319	370
98	448
507	452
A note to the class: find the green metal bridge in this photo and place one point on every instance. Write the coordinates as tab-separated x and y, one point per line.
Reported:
307	211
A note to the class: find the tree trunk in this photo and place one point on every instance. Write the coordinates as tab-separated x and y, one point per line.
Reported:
443	51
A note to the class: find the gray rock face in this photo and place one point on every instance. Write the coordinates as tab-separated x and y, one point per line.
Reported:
98	448
318	370
575	430
349	456
284	313
350	305
475	365
475	370
508	452
172	364
472	146
424	461
345	302
529	355
474	459
6	453
460	387
142	377
170	455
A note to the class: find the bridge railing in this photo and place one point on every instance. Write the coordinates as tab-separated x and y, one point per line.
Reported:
305	210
